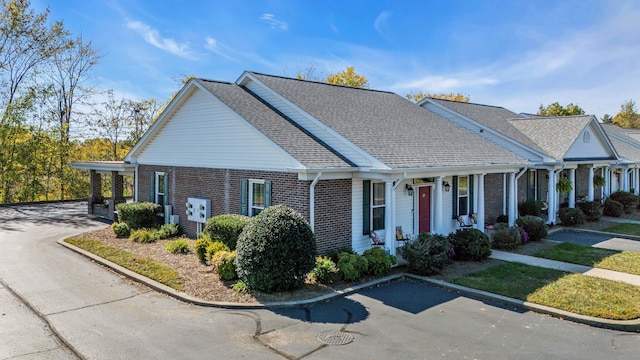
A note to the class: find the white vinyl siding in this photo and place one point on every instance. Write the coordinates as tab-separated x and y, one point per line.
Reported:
458	120
205	133
594	148
359	242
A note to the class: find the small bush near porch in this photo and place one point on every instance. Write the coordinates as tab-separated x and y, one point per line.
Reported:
139	215
428	254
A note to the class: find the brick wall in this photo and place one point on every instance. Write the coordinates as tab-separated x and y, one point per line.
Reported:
222	187
493	184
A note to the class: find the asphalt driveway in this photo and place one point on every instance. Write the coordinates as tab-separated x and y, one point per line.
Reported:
56	304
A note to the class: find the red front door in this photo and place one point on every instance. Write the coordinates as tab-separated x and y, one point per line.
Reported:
424	209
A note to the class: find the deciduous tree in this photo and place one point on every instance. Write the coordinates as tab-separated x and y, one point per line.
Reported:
416	97
348	77
628	116
556	109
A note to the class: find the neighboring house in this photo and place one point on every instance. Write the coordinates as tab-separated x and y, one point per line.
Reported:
573	147
352	161
626	176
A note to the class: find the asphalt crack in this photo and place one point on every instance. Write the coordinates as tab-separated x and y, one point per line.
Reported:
98	304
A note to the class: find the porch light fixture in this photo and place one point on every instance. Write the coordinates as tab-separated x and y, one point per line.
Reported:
446	186
409	189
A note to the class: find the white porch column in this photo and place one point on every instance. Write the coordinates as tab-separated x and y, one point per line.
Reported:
636	181
504	193
590	187
480	208
551	197
607	179
389	225
572	193
625	180
437	207
513	200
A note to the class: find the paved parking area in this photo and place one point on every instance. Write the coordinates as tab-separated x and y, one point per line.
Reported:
615	242
99	315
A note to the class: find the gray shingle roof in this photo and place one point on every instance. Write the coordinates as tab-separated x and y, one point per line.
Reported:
291	139
553	134
494	117
392	129
623	147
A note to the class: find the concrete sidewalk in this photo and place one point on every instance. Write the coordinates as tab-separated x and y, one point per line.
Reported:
574	268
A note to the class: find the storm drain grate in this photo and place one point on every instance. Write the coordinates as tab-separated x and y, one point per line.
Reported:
334	337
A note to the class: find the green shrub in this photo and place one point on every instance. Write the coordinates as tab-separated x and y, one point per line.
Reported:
470	245
571	216
352	266
143	236
506	237
225	228
168	231
612	208
333	254
428	254
139	215
240	287
180	246
379	263
201	249
530	207
534	226
121	229
213	248
591	209
628	200
502	219
223	263
276	250
324	271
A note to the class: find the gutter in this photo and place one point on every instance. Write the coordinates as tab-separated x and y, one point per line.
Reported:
312	202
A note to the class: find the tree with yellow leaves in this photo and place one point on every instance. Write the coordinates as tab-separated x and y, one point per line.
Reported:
416	97
348	77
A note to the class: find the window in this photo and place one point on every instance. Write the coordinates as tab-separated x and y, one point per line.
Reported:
373	206
463	195
160	187
255	196
532	185
586	137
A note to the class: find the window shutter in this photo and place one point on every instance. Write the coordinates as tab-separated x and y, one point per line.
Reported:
455	197
366	206
165	197
471	177
244	196
152	188
267	193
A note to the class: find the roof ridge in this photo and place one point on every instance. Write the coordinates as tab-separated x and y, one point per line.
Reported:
321	82
215	81
470	103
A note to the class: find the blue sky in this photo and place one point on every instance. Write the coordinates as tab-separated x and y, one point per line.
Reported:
516	54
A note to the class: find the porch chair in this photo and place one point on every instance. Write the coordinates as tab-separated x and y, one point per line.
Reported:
402	236
375	240
462	224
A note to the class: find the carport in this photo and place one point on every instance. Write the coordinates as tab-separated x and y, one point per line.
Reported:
97	204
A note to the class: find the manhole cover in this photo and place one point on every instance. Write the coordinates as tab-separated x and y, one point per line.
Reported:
333	337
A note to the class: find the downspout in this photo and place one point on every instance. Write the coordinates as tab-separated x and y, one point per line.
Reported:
395	186
399	181
518	176
135	184
312	201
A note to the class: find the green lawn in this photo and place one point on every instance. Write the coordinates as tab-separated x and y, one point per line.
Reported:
143	266
624	228
623	261
576	293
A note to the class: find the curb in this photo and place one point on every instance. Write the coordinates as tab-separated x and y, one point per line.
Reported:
621	325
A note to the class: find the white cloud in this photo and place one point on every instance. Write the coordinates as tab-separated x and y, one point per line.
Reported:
152	36
273	23
219	48
380	24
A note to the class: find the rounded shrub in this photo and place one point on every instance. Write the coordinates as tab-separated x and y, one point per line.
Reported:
628	200
213	247
168	231
225	228
121	229
506	237
612	208
200	247
352	266
276	250
223	263
139	215
143	236
240	287
530	207
591	209
571	216
427	255
379	263
534	226
502	219
324	271
180	246
470	245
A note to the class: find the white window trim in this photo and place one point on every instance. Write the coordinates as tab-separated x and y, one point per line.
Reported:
158	190
373	206
465	196
250	206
